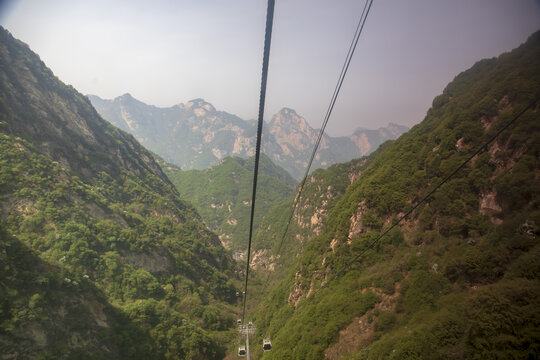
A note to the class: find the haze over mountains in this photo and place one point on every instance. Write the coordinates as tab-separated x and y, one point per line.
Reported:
195	135
101	257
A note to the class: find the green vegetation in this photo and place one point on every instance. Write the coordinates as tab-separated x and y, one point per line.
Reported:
222	194
101	256
36	297
321	192
459	278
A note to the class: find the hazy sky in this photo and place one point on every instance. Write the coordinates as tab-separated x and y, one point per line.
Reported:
165	52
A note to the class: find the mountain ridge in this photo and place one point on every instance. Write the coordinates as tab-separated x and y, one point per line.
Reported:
195	135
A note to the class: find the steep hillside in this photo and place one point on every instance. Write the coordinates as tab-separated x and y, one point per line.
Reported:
195	135
222	194
97	210
275	236
37	297
460	278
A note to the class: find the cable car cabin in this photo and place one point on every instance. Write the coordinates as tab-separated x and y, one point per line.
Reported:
239	321
242	350
267	345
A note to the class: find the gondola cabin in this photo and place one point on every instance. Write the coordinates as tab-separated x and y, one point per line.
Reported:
267	345
242	350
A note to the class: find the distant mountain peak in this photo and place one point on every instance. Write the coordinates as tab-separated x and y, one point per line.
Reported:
199	106
288	111
194	135
393	128
127	98
289	119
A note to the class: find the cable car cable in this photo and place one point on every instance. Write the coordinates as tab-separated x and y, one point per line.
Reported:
448	177
266	57
344	69
478	151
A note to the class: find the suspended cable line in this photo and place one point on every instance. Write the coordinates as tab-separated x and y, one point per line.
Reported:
345	67
266	57
448	177
482	148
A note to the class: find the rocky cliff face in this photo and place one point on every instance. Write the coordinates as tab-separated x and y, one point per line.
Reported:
195	135
368	140
278	245
35	106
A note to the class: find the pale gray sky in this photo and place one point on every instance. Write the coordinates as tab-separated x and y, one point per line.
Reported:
165	52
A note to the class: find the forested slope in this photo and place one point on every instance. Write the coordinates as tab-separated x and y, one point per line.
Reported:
280	237
459	278
92	227
222	194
